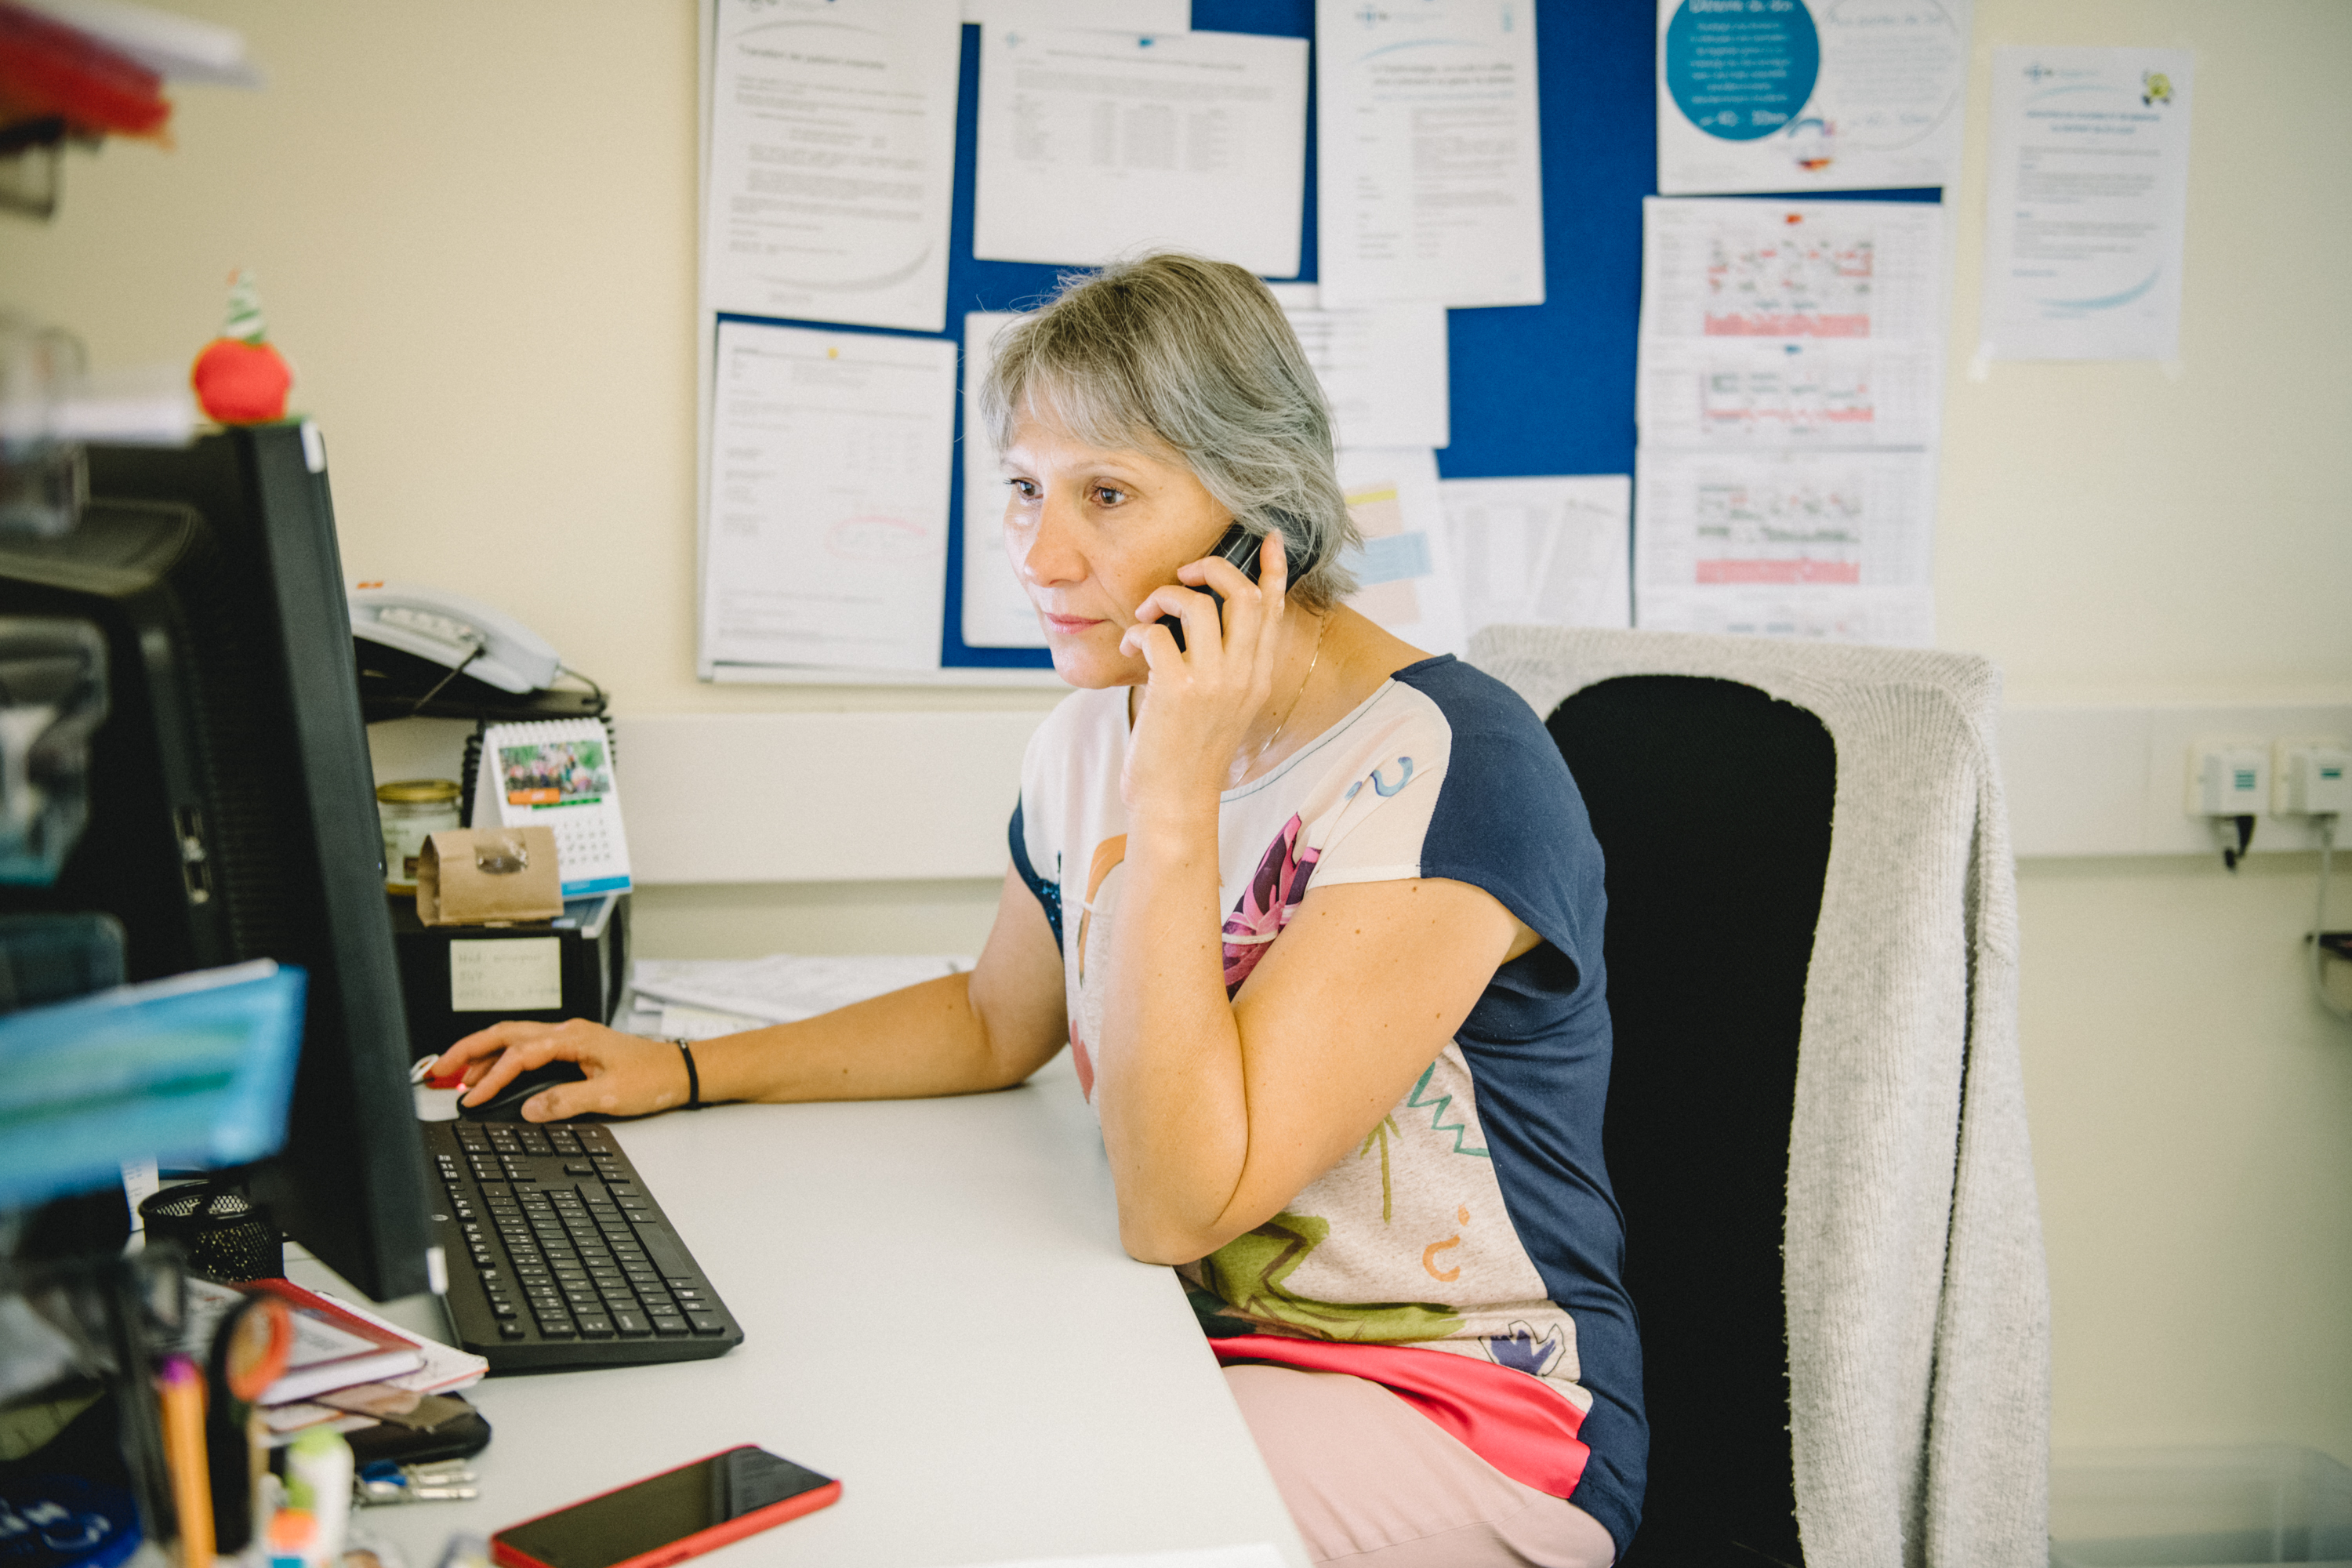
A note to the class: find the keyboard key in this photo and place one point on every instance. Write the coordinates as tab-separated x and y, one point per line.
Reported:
667	1323
707	1322
630	1325
509	1331
557	1329
595	1326
503	1309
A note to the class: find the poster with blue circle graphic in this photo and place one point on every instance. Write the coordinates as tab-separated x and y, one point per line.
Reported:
1777	95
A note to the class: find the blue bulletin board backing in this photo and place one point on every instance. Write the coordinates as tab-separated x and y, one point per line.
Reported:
1536	389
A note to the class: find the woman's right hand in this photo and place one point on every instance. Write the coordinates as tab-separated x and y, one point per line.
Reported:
627	1075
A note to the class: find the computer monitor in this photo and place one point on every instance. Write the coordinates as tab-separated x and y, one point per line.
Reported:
232	802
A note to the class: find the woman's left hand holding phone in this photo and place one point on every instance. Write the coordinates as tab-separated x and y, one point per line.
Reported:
1201	700
627	1075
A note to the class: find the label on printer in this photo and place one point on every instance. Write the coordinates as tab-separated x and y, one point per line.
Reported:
514	974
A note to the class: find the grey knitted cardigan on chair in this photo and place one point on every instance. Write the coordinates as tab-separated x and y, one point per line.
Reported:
1916	1297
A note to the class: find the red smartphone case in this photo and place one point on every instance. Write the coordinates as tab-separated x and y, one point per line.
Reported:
508	1555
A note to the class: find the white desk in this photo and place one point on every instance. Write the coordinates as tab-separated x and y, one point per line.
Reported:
936	1309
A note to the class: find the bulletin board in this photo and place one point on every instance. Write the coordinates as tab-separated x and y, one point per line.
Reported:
1536	389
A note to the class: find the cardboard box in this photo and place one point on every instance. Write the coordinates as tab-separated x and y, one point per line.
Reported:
487	876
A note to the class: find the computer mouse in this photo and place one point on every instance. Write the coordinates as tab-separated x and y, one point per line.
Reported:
507	1104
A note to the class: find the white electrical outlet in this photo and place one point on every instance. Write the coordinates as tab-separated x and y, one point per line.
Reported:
2312	778
2229	778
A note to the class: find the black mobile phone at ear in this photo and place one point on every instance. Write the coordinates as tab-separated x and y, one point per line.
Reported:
669	1516
1238	545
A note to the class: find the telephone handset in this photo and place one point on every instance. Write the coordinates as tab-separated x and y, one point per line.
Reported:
1239	546
450	629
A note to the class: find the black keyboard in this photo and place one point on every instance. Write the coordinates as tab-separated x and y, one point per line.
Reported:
558	1257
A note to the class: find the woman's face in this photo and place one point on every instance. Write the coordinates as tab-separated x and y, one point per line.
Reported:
1091	530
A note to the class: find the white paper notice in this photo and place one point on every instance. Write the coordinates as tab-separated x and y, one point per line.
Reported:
1788	399
1112	16
996	609
1892	617
1099	145
827	538
515	975
1405	574
1542	551
1805	525
1796	95
1717	392
833	159
2088	203
1431	185
1383	367
1775	270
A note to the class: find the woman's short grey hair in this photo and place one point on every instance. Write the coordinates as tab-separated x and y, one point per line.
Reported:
1176	353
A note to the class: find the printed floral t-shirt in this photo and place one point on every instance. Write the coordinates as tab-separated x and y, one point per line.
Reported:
1469	1256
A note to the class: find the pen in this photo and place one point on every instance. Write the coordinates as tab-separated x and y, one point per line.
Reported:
182	1392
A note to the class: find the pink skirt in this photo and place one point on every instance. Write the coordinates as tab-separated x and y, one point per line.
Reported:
1373	1483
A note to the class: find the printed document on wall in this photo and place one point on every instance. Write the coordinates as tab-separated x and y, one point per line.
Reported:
1095	145
826	542
1404	573
1806	529
832	160
1431	182
1541	552
1730	393
1816	270
1159	17
1794	95
1383	367
996	609
1891	618
2088	206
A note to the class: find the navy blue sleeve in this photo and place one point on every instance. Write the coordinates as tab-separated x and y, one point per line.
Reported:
1049	894
1508	816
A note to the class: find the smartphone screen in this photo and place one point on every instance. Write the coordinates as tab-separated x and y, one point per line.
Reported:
659	1511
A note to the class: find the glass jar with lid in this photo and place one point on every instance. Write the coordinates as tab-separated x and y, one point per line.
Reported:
410	810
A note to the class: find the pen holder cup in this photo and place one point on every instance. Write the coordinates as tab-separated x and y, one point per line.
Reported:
224	1235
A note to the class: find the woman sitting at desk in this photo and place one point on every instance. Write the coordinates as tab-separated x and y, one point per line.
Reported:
1319	917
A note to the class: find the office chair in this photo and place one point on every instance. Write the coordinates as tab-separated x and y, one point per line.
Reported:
1816	1122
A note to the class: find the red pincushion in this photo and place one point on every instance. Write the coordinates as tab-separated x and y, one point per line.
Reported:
239	383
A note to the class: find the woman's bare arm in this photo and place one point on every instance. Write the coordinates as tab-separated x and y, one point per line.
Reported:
1218	1114
957	1035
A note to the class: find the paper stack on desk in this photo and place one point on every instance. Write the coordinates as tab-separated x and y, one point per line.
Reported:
696	999
346	1361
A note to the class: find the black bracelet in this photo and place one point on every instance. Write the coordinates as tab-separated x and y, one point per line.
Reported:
693	1078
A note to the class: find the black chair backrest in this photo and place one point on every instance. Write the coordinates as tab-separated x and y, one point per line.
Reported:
1712	802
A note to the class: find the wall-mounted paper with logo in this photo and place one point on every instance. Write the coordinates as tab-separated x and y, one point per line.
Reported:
832	160
2086	208
1097	146
1429	176
1821	95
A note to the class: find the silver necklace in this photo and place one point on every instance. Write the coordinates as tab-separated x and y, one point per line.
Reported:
1324	625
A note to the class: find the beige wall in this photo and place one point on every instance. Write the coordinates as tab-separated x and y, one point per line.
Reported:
473	225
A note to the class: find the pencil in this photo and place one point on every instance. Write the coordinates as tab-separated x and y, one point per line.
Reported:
183	1396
